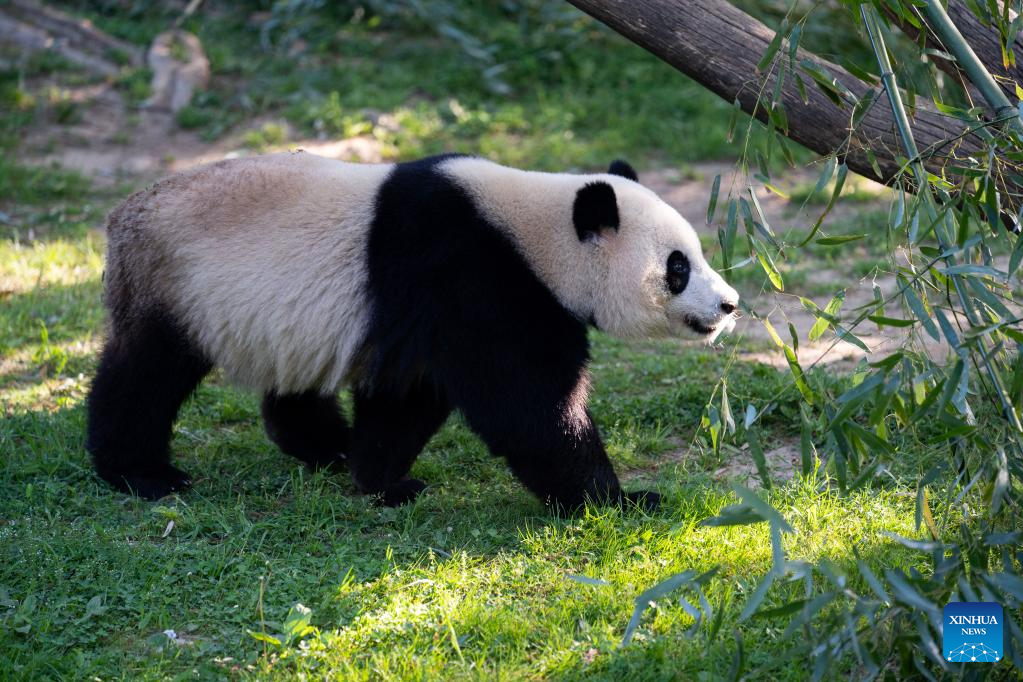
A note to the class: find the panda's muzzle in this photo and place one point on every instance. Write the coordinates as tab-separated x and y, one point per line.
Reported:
726	321
697	326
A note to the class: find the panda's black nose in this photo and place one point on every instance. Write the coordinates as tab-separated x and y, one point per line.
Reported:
727	308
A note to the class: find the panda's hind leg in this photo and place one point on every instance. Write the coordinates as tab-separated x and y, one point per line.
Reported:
308	426
146	371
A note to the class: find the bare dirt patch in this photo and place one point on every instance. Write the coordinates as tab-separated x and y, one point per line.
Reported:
782	464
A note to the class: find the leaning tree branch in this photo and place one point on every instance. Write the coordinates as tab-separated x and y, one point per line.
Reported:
719	46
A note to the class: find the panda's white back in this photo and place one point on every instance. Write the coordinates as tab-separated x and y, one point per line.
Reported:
263	261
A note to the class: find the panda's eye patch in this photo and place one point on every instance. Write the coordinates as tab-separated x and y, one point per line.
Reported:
677	275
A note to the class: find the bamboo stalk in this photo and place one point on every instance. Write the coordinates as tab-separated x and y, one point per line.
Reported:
895	97
968	60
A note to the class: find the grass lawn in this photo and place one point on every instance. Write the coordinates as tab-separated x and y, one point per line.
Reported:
476	579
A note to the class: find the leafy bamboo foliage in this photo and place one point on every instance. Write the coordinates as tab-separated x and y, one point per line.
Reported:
959	372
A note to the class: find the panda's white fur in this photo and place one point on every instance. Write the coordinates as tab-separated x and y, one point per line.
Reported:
263	259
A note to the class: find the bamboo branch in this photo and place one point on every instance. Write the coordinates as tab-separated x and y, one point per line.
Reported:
983	39
971	64
870	20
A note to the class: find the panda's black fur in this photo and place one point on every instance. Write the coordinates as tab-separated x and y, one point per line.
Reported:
458	321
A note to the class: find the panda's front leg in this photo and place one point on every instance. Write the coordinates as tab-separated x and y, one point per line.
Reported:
552	445
389	431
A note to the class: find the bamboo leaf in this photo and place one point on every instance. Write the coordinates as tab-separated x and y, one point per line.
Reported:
863	106
773	274
766	511
714	189
947	329
794	41
917	306
1000	485
1017	254
839	239
757	597
644	600
906	593
843	171
743	517
736	108
773	334
772	49
972	270
794	335
827	83
883	321
873	581
805	444
928	518
825	176
757	453
738	659
830	313
846	335
852	398
781	611
761	215
798	376
726	409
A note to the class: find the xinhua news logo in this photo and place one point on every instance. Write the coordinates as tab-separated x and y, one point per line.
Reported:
972	632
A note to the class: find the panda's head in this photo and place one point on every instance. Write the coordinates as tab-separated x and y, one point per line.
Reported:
649	274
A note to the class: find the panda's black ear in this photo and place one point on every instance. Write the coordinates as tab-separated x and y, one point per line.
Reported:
595	208
619	167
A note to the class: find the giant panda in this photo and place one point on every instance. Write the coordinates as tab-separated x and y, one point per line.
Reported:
448	283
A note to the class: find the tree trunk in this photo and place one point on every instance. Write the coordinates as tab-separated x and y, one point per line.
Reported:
719	46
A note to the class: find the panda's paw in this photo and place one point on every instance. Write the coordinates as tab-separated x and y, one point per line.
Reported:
332	463
151	483
647	500
400	493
